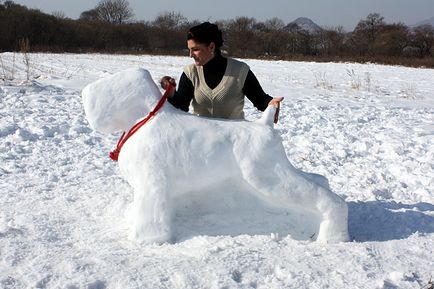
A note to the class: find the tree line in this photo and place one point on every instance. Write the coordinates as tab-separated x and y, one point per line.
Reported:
109	27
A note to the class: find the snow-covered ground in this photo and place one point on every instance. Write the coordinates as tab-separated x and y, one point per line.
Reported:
368	128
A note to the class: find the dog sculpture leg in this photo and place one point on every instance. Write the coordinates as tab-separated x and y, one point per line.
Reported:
334	212
283	186
151	212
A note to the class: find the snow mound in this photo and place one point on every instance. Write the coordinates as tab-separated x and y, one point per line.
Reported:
178	161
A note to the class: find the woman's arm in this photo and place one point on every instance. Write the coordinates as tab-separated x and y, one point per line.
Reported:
182	97
254	92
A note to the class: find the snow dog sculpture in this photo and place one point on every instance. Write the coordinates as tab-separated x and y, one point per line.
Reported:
177	152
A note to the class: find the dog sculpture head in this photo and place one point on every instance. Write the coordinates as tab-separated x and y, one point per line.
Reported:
135	95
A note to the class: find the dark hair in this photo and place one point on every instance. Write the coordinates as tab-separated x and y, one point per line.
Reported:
206	33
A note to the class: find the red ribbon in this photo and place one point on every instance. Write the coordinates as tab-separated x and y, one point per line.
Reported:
114	155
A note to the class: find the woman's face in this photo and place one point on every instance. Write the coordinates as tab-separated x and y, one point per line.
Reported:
201	53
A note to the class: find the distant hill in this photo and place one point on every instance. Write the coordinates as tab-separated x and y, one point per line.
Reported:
425	22
304	23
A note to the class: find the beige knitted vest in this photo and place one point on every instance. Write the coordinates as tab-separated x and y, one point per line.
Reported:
226	100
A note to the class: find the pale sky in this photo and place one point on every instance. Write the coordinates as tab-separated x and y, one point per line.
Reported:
329	13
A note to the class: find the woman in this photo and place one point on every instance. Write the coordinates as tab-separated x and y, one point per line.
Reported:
214	85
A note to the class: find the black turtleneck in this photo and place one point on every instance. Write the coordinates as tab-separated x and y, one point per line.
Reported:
213	71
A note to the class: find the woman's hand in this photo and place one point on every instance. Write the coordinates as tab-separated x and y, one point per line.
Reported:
165	80
276	103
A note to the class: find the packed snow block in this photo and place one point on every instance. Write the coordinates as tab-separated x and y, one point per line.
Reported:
179	156
111	107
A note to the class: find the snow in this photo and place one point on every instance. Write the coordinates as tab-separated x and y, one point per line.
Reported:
64	204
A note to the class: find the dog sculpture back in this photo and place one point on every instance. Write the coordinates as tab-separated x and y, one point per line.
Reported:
177	154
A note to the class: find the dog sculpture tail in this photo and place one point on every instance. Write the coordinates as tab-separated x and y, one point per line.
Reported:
269	116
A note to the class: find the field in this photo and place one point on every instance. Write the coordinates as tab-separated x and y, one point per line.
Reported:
368	128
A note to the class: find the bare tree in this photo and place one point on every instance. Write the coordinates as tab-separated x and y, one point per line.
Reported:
9	4
371	26
114	11
169	31
392	40
89	15
331	40
241	40
366	32
170	21
423	39
59	14
272	35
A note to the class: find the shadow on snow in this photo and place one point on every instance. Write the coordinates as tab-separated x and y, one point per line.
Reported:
384	221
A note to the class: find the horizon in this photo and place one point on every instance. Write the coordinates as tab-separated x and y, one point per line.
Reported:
335	13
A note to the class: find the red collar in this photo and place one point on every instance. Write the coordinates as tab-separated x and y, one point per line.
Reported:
114	155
